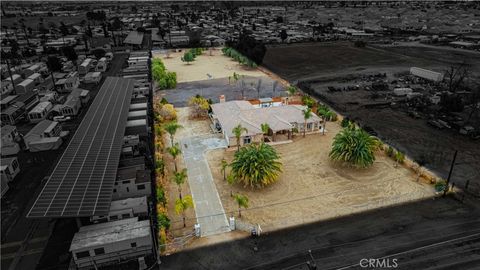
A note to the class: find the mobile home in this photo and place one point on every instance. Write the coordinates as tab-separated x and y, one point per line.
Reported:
40	112
25	86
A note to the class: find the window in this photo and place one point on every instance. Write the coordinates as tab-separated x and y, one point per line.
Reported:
83	254
113	217
309	126
126	182
128	190
133	244
141	187
247	140
99	251
125	215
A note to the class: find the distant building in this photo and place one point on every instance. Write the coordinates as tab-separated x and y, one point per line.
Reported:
111	242
426	74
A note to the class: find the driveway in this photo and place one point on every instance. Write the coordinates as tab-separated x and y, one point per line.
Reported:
208	207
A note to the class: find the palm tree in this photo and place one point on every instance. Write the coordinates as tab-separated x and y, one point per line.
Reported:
231	180
179	179
256	165
171	128
307	114
326	114
355	146
237	131
265	129
224	165
182	205
174	151
242	201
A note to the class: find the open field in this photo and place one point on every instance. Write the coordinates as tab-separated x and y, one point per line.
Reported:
312	188
216	65
299	61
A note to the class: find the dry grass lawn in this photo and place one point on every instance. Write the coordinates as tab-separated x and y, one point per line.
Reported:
217	65
312	188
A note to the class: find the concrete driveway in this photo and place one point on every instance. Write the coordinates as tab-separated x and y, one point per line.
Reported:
208	206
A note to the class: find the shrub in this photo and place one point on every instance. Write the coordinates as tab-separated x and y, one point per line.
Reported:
333	117
164	79
162	239
161	198
399	157
164	100
308	101
440	185
167	112
345	123
232	53
389	151
163	221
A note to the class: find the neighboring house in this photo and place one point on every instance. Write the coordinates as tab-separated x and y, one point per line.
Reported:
46	135
126	208
36	78
132	181
102	65
13	114
25	86
6	87
40	112
71	81
136	127
93	77
9	168
30	100
10	137
282	120
72	105
111	242
85	66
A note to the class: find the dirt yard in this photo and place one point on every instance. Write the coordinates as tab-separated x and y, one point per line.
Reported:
217	65
312	188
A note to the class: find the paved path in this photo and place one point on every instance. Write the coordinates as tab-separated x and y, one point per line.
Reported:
208	206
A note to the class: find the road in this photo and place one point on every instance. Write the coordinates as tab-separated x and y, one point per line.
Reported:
417	234
204	192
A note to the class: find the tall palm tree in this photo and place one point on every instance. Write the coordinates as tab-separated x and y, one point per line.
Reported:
179	179
174	151
171	128
307	114
326	114
182	205
242	201
354	146
256	165
237	131
224	165
265	129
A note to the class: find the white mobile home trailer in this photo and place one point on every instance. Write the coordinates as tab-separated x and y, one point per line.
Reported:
40	112
102	65
136	115
111	242
85	66
426	74
25	86
36	77
126	208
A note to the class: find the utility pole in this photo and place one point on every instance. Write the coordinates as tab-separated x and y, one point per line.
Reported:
450	173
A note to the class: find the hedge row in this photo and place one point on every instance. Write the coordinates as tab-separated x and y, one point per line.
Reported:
232	53
164	78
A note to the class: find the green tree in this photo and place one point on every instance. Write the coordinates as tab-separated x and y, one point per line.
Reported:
231	180
179	179
292	90
224	165
163	221
307	114
265	129
174	151
182	205
242	202
237	131
326	114
188	57
256	165
161	198
160	167
354	146
171	128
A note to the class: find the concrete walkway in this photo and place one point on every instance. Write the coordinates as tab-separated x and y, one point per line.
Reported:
208	206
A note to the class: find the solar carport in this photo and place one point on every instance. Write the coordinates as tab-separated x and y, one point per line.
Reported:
82	182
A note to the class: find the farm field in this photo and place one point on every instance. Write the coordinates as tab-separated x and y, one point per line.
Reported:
312	188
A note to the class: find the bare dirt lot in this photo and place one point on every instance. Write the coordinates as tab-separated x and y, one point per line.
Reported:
413	136
312	188
216	65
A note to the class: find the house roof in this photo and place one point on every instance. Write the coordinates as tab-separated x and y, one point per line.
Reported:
232	113
110	233
134	38
39	128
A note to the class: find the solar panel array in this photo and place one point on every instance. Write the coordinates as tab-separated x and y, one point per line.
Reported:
82	183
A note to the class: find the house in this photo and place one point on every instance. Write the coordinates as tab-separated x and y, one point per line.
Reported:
68	83
111	242
46	135
13	114
85	66
126	208
40	112
282	120
9	143
6	87
73	104
9	168
25	86
426	74
132	181
102	65
30	100
137	127
93	77
36	78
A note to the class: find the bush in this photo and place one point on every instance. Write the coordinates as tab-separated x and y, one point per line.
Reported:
163	221
389	151
334	117
345	123
164	79
161	198
167	112
308	101
399	157
164	100
162	239
232	53
440	185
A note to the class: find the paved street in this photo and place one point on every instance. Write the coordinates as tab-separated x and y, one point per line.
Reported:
208	207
